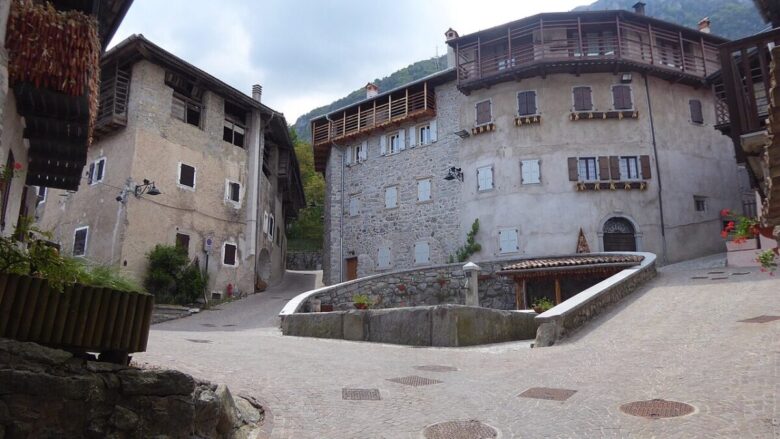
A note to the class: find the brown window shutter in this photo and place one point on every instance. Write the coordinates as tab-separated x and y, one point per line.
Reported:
587	102
604	168
614	167
483	112
522	103
578	104
530	102
696	114
573	173
644	162
621	95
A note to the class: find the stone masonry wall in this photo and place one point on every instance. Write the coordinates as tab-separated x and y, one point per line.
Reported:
304	260
434	221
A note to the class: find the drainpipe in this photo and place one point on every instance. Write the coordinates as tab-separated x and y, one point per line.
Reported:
657	171
341	214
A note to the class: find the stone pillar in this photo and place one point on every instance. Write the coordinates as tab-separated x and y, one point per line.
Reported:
472	274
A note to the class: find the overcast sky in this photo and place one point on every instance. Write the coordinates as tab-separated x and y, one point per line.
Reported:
307	53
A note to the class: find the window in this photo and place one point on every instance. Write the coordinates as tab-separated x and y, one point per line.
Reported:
424	189
485	178
354	205
97	171
41	195
186	109
230	254
422	253
233	192
424	134
186	176
587	169
234	129
582	99
383	258
629	168
391	197
80	241
621	97
395	143
530	172
696	115
267	160
700	203
484	114
526	103
271	227
183	242
507	241
357	153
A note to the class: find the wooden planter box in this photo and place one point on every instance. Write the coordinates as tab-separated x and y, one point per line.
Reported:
81	318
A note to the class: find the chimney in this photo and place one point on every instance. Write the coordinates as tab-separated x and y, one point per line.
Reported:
371	90
257	92
639	8
704	25
451	34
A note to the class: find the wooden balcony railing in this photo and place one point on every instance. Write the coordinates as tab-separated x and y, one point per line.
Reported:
114	94
394	108
743	87
573	41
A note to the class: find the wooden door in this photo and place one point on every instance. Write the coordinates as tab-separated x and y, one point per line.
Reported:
352	264
619	235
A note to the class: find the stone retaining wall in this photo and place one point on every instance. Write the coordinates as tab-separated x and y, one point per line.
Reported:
441	325
304	260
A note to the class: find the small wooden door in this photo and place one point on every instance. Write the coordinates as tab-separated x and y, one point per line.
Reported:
619	235
352	268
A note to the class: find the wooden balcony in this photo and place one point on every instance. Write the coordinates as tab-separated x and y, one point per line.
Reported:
386	110
114	94
584	43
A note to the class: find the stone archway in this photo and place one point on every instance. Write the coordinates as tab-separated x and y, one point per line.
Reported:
619	234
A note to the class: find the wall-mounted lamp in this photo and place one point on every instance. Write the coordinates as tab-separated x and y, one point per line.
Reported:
454	174
625	78
463	134
146	188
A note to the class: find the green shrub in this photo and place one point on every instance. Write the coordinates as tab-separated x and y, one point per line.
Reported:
172	278
470	247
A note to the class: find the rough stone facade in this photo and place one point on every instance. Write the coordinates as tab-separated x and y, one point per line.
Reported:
304	260
49	393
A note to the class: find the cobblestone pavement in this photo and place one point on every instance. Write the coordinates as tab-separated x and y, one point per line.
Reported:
677	339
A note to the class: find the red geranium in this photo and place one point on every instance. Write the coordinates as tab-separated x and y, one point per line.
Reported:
725	212
18	166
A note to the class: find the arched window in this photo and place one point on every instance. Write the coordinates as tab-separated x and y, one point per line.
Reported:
619	235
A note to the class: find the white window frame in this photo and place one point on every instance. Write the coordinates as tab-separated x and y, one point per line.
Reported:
389	264
394	149
224	246
580	176
353	207
427	247
430	189
271	226
501	232
418	134
395	188
536	100
194	177
229	200
523	166
92	180
612	92
41	198
492	179
86	241
623	164
476	123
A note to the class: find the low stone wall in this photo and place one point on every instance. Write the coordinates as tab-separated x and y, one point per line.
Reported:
569	316
163	313
304	260
49	393
441	325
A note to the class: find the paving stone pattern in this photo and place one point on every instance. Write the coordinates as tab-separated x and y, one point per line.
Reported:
674	339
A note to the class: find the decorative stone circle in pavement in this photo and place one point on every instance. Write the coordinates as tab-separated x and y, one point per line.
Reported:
414	380
460	430
657	409
548	393
740	273
720	278
436	368
360	394
761	319
195	340
209	325
699	277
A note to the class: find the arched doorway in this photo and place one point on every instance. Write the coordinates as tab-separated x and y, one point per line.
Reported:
619	235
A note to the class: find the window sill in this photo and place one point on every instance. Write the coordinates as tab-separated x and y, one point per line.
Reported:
186	188
391	208
484	128
233	204
584	186
601	115
425	201
528	120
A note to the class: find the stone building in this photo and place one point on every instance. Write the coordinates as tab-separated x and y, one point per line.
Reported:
43	129
180	158
542	127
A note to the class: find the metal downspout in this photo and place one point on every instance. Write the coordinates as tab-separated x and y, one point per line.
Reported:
657	172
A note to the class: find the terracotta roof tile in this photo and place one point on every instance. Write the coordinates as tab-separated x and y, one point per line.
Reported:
574	261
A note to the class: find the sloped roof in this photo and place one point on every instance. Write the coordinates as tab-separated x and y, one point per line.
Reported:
573	262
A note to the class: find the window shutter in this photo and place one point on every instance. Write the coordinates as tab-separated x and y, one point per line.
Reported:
531	102
604	168
573	174
383	145
587	102
578	99
413	136
522	175
490	177
402	139
91	174
644	161
364	151
350	152
101	166
434	136
614	167
696	114
522	106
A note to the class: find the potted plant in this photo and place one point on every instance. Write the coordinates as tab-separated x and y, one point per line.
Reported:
542	304
361	301
740	230
768	260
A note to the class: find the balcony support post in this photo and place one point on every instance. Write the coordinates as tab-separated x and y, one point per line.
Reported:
509	62
652	44
389	107
374	118
479	57
751	122
406	107
344	130
541	35
703	56
682	51
425	95
579	36
358	128
619	39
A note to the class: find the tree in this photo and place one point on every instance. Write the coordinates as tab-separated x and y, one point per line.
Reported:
307	231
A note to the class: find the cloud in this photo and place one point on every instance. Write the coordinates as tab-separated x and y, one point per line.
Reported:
307	53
